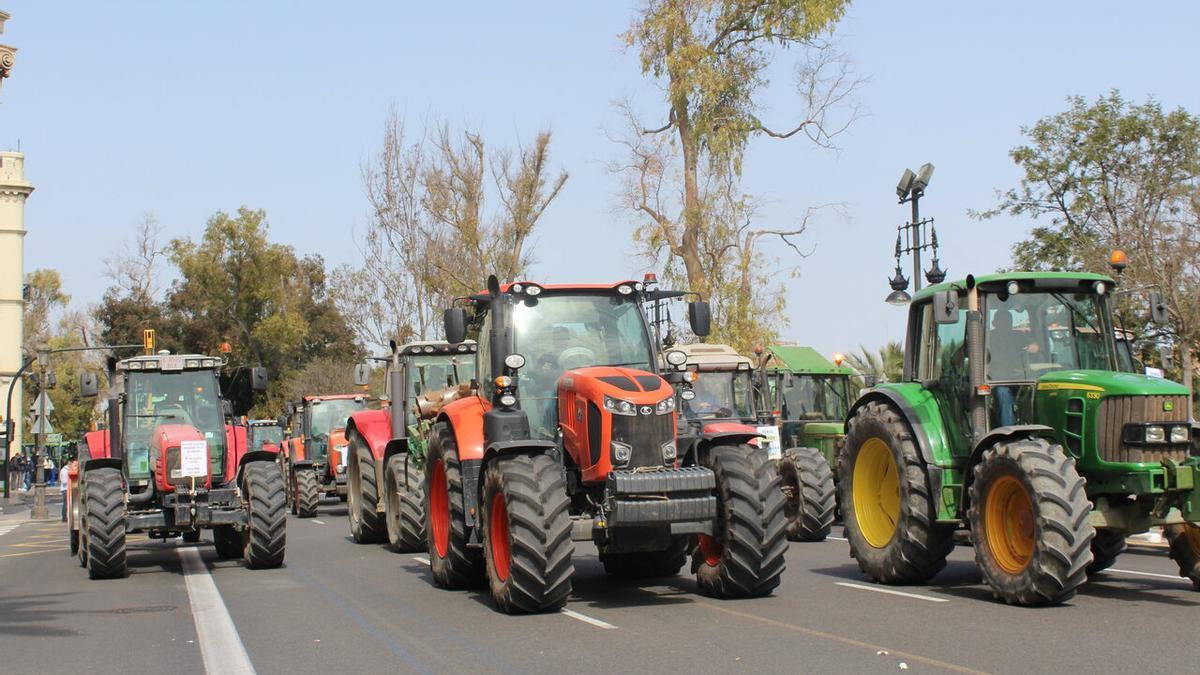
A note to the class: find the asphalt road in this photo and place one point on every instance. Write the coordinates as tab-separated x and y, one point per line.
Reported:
339	607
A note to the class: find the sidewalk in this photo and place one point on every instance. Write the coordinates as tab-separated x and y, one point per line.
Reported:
21	501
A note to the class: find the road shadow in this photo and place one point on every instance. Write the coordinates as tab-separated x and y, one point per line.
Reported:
30	615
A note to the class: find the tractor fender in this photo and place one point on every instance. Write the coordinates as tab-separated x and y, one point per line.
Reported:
694	449
375	427
926	445
518	447
97	443
251	457
103	463
465	417
1001	434
395	446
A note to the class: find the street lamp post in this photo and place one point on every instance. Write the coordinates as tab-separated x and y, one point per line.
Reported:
910	237
39	453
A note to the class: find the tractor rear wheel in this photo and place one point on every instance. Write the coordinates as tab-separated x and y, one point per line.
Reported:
1029	522
308	493
366	523
744	558
228	541
1107	545
454	566
809	494
104	523
265	536
527	534
648	564
887	504
403	505
1185	550
191	536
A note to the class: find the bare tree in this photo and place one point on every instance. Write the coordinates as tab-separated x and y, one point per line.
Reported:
135	269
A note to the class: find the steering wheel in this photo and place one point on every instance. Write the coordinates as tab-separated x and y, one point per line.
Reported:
576	357
724	412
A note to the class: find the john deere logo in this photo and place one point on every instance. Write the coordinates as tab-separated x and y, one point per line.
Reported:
1168	406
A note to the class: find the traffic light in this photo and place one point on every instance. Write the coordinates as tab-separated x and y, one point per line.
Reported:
148	340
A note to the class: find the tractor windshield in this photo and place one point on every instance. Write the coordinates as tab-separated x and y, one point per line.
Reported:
268	434
431	373
557	332
1029	334
720	395
815	397
154	398
332	413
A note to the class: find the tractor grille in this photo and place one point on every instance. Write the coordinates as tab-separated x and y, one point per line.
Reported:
1117	411
645	434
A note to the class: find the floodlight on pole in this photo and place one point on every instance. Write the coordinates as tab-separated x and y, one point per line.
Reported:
910	237
905	184
923	175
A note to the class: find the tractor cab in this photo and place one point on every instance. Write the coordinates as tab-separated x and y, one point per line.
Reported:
806	395
322	425
264	435
425	375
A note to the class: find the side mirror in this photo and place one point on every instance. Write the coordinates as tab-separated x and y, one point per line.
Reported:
289	409
258	378
416	388
282	422
455	319
362	375
1158	308
790	382
227	408
89	385
945	307
699	317
870	381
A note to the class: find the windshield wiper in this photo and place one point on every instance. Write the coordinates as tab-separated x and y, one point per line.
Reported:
1075	311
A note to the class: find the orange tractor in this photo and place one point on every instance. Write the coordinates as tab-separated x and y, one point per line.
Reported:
313	460
387	447
168	465
571	436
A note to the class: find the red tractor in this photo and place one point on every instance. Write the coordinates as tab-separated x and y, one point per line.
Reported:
387	447
264	435
571	436
313	459
168	465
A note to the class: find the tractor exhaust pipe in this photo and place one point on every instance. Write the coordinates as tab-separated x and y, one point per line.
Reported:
116	450
975	355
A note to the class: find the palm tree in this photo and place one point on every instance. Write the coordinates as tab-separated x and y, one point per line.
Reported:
886	365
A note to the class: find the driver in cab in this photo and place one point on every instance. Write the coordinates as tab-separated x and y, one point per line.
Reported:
1007	350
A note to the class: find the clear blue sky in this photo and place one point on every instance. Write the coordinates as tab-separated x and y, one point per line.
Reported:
183	109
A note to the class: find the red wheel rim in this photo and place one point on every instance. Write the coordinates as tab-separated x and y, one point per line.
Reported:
498	536
439	509
711	549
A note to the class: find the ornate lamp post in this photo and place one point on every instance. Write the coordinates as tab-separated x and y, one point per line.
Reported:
911	237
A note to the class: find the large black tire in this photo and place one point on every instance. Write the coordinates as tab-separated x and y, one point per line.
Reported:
228	541
103	545
453	564
744	558
1185	550
366	523
1107	545
808	489
915	547
1029	522
308	493
191	536
404	505
648	564
265	537
527	534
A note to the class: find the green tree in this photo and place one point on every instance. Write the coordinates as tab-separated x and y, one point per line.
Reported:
885	365
682	177
1109	174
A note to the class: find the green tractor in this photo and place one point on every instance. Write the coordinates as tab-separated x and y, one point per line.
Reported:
1015	420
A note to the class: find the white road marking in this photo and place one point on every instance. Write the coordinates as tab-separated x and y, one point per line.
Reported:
1150	574
890	591
5	529
220	646
837	538
423	561
587	619
318	522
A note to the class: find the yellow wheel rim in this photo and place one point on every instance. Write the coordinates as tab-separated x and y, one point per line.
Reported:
1008	521
876	492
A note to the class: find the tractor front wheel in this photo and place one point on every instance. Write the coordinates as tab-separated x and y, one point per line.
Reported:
454	565
265	536
103	548
809	494
887	504
404	505
1185	550
744	557
527	534
366	523
1107	545
308	493
1029	522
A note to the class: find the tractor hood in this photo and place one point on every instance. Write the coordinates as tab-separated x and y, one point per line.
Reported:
635	386
167	442
1109	383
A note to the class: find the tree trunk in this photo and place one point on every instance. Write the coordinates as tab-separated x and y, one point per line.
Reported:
693	216
1185	355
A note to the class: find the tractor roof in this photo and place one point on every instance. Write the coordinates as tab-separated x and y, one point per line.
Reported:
628	287
802	360
435	347
263	423
714	357
995	282
169	362
331	397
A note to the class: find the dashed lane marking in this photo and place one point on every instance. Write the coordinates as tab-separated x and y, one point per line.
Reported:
14	555
422	560
837	538
890	591
8	527
220	646
587	619
318	522
843	639
1150	574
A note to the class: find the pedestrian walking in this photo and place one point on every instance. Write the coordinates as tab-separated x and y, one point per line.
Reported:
28	464
64	477
50	473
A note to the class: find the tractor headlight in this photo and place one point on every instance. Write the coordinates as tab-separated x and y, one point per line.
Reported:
514	361
676	357
668	451
667	405
192	363
619	406
1181	435
508	400
687	394
621	452
1155	434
